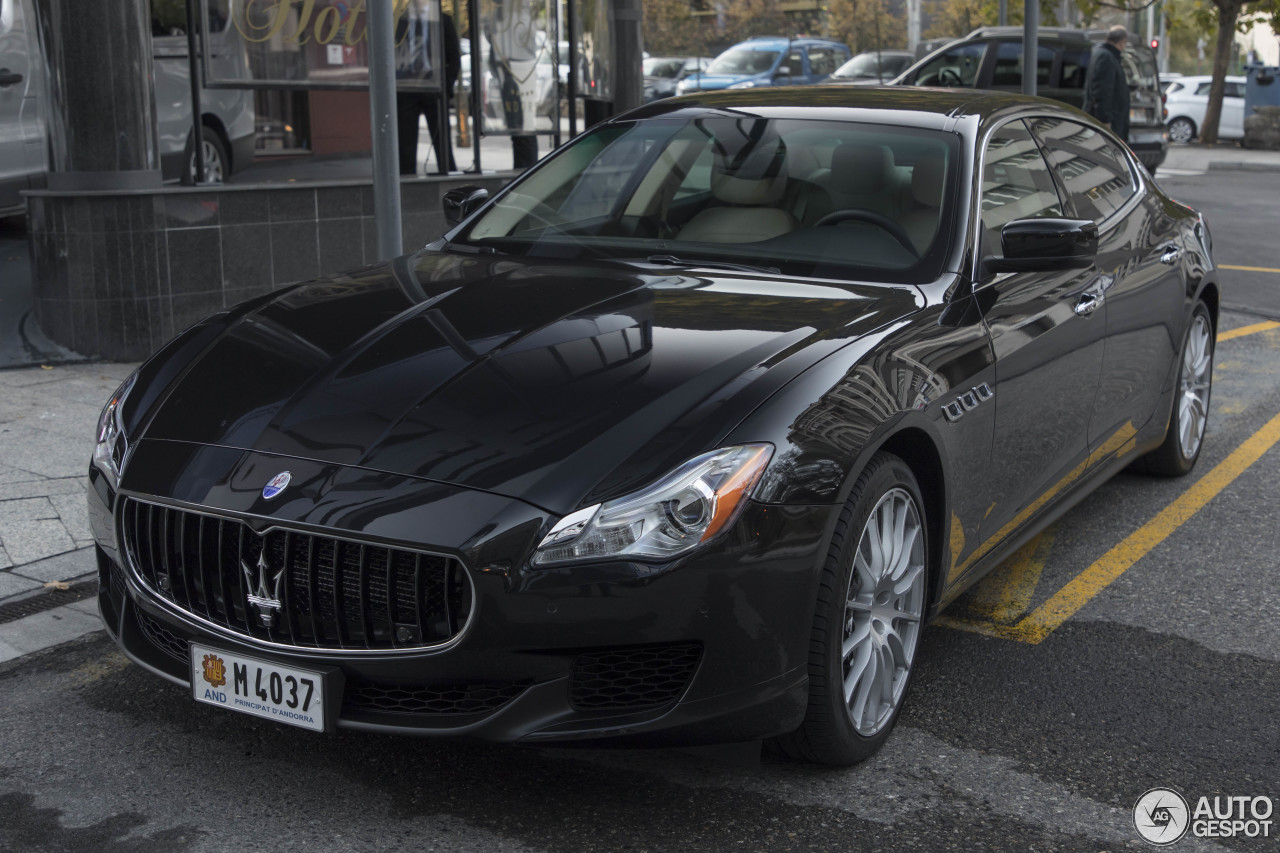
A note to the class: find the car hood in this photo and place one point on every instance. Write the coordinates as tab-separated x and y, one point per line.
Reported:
556	383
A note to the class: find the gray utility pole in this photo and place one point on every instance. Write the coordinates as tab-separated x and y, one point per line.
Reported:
382	121
1030	46
1003	20
913	25
628	42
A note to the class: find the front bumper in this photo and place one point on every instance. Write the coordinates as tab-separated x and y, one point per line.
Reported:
712	647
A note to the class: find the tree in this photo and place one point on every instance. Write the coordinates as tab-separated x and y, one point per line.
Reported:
866	24
670	29
1231	16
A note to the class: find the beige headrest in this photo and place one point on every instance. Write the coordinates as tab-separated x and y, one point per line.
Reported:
859	169
926	182
758	177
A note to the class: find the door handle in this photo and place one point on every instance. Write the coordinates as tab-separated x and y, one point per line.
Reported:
1090	301
1170	254
8	78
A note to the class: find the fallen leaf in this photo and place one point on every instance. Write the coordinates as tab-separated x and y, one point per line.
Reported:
46	367
57	585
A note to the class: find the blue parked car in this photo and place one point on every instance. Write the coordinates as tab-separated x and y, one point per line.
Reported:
769	61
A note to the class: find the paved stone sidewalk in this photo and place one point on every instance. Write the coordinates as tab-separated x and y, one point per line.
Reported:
47	418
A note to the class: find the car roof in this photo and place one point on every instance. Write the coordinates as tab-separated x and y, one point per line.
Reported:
921	106
782	41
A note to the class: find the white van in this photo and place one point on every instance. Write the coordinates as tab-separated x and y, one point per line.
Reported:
228	117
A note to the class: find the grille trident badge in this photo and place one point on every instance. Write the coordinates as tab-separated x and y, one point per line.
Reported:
267	600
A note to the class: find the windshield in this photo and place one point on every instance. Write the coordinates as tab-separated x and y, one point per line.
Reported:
663	67
822	198
864	65
744	60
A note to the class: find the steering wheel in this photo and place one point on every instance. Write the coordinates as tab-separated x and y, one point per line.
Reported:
950	77
884	223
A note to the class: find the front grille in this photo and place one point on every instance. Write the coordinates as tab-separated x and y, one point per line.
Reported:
633	678
310	590
444	698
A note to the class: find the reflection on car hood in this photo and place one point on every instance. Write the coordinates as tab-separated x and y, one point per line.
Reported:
553	382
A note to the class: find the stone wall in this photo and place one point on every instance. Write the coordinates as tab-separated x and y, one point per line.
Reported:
116	274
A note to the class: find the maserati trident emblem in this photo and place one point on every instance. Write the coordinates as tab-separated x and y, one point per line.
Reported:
266	599
276	486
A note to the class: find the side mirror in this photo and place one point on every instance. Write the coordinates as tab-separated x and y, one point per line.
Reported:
461	202
1041	245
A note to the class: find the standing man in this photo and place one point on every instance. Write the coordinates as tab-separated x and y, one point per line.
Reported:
416	60
1106	89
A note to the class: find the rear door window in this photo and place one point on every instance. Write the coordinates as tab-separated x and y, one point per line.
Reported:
1008	68
822	61
1095	173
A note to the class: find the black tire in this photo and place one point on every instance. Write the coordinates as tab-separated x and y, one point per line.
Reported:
1173	458
829	734
217	165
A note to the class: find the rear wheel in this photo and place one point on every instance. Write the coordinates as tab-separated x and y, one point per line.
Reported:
1185	434
217	165
1182	129
867	622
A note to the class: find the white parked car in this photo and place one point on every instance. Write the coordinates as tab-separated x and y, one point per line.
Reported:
1187	98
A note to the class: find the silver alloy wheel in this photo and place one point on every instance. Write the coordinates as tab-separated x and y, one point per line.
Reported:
1181	130
883	611
213	165
1193	403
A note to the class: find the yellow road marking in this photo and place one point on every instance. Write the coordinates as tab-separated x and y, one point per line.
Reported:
1067	601
1248	330
1248	269
1006	594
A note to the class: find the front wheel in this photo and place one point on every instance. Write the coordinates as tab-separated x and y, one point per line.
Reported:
1185	434
867	622
217	165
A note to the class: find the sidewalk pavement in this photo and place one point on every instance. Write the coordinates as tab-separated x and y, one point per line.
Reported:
1225	156
47	418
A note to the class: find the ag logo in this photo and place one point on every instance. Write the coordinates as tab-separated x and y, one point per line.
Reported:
1161	816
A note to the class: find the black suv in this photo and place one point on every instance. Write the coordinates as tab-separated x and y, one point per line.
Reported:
991	58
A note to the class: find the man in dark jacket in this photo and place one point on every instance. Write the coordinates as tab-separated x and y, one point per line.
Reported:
1106	90
415	61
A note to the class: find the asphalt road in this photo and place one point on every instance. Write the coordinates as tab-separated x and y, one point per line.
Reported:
1163	673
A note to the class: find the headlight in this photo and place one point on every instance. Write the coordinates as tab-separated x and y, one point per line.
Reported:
683	509
745	84
112	444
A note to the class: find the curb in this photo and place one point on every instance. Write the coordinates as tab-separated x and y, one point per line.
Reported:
1241	166
50	628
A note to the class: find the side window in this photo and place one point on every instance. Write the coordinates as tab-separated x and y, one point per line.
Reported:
822	61
1008	71
1075	65
1234	90
1203	88
1016	183
794	63
1096	174
959	66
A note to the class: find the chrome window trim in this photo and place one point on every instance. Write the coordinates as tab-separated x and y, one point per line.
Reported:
134	576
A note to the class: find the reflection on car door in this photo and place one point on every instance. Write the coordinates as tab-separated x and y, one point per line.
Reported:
1138	253
1048	347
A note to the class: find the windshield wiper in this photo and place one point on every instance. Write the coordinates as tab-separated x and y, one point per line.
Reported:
673	261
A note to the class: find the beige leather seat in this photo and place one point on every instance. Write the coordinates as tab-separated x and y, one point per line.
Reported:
921	220
749	190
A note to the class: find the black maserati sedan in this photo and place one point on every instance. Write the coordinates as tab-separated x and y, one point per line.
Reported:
683	436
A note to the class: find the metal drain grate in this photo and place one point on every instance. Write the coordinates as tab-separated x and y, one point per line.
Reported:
47	600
